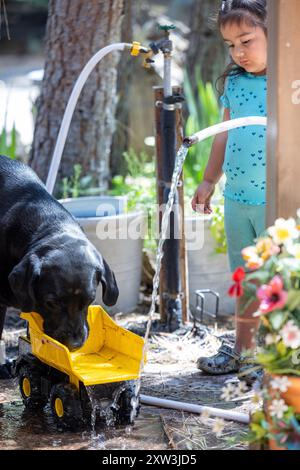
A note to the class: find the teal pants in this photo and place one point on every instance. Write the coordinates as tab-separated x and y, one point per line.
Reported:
243	224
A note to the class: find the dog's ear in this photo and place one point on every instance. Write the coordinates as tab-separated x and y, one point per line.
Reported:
110	291
22	279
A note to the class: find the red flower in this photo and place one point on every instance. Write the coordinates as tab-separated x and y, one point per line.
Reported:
272	296
237	289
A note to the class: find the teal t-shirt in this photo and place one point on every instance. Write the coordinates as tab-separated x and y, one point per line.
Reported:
245	156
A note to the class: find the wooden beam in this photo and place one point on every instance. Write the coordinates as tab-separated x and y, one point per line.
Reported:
283	136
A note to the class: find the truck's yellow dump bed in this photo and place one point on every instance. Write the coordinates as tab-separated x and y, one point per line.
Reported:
110	354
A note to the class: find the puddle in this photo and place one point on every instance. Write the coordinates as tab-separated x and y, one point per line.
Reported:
169	373
24	429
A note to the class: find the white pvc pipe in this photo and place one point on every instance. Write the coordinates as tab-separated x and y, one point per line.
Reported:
65	125
197	409
226	126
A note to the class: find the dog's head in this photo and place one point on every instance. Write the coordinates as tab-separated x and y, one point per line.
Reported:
60	284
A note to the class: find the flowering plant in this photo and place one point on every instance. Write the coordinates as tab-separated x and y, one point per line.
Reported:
274	264
273	278
277	423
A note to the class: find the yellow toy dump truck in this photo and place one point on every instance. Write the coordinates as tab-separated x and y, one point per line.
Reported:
96	381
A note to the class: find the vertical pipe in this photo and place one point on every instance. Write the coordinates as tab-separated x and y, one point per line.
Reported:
167	75
171	260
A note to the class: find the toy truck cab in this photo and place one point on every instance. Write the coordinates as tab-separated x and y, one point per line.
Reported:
96	380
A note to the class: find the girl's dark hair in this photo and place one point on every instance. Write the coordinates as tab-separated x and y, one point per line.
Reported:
253	13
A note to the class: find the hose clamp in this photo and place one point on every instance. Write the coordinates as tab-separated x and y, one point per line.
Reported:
167	295
165	184
168	107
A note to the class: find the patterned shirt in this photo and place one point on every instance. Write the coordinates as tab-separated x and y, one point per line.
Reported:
245	156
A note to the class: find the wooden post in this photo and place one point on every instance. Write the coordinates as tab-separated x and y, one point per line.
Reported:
283	140
158	94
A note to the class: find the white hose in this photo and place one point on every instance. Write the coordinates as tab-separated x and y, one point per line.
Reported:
198	409
226	126
65	125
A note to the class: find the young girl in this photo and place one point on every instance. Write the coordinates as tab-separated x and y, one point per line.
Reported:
241	155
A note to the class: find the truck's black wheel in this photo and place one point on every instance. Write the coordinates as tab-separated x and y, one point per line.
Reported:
128	406
66	406
30	387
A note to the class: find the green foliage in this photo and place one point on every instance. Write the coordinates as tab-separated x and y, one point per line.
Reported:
139	187
137	164
217	229
203	112
77	185
8	142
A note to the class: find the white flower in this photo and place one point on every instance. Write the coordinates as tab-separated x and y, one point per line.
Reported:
280	383
293	249
298	213
241	388
291	335
278	408
204	416
228	392
283	231
271	339
257	398
218	426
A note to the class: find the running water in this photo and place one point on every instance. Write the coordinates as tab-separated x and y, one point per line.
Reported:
180	157
102	407
179	161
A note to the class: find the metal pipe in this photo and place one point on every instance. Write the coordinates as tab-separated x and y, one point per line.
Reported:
197	409
224	127
167	75
171	261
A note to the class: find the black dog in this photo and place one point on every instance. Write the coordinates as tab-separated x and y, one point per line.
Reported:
47	264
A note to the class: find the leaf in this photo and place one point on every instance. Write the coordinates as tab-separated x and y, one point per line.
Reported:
259	431
262	276
281	348
257	417
287	371
277	319
293	300
266	358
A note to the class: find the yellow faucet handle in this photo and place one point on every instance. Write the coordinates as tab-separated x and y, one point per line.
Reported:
136	48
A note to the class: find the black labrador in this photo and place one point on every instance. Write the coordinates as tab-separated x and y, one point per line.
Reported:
47	264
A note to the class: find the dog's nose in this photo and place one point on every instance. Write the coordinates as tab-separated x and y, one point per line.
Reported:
76	340
73	344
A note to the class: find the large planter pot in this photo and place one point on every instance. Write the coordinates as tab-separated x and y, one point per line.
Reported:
206	268
118	236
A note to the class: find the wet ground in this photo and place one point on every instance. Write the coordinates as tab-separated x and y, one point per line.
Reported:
170	373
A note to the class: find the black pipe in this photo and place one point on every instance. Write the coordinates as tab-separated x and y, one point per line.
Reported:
171	259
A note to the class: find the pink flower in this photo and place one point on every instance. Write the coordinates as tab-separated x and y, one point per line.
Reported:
272	296
291	335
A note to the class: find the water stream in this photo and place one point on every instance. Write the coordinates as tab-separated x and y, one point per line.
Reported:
179	161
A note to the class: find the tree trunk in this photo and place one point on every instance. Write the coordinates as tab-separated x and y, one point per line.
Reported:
206	47
76	30
121	136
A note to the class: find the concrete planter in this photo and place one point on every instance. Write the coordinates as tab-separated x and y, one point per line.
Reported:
207	269
118	236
